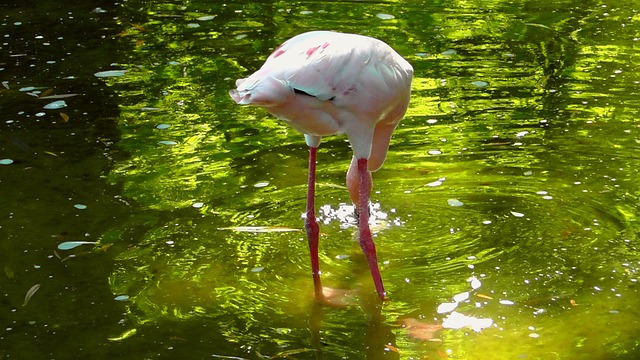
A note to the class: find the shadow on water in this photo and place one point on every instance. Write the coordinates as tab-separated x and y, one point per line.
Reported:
505	217
56	140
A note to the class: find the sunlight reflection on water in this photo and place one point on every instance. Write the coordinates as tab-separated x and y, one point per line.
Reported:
345	216
508	202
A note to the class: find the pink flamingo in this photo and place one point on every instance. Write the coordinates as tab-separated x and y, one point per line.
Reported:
325	83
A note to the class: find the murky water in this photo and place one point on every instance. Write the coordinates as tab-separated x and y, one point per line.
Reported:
505	216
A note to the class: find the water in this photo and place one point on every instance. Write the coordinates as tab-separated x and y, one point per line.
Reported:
507	205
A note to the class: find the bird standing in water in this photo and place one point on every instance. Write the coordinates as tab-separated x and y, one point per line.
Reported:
325	83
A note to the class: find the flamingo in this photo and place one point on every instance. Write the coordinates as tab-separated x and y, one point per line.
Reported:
326	83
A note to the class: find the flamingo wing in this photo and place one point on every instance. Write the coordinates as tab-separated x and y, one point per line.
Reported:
326	65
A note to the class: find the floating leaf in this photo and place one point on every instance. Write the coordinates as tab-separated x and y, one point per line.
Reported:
260	229
456	320
56	105
385	16
62	96
30	293
483	296
474	282
68	245
446	307
64	117
461	297
110	73
206	17
454	202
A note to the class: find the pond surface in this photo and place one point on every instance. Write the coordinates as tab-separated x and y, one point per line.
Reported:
145	215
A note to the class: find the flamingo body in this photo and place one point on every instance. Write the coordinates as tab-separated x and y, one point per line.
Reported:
325	83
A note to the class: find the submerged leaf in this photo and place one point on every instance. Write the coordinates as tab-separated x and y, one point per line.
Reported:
30	293
538	25
124	335
420	330
8	271
391	348
68	245
46	93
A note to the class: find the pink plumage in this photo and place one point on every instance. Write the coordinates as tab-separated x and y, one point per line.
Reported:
325	83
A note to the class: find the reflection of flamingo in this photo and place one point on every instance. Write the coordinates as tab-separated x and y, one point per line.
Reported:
325	83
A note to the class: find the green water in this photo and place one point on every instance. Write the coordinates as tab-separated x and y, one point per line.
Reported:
512	186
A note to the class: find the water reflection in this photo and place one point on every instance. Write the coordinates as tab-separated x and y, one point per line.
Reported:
516	167
500	175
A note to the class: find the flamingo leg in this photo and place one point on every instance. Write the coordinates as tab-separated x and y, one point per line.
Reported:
311	225
366	242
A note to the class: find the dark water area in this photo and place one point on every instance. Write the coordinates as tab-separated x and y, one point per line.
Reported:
143	214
